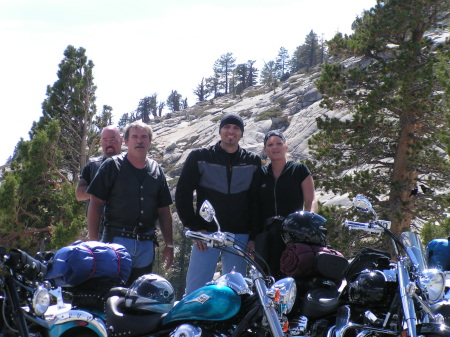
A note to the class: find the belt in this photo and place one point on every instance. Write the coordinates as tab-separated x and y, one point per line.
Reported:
136	234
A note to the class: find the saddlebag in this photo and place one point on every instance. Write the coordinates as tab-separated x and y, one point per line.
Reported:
78	263
91	294
320	299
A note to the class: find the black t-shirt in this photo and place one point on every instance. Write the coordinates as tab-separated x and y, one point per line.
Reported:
284	195
130	202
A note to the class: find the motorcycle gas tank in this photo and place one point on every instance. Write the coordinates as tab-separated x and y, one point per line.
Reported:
209	303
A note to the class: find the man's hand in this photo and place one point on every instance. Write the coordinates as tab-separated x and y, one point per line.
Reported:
167	257
202	246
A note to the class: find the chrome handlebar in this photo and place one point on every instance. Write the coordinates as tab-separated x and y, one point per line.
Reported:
216	239
376	227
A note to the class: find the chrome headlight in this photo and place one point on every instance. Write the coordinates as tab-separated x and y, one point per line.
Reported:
432	281
287	290
41	301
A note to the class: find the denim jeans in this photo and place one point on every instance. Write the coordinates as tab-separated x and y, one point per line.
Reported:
202	265
142	252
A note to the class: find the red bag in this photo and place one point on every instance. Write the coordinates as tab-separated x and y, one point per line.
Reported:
298	260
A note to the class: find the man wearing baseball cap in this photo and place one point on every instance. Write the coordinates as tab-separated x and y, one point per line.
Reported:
223	174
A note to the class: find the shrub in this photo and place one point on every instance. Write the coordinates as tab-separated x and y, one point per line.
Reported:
270	113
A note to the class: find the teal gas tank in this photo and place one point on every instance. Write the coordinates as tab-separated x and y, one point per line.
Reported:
209	303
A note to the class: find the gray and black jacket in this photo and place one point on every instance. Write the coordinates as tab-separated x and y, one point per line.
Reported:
226	181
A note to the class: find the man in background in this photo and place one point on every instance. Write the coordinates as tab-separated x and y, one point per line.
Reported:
111	143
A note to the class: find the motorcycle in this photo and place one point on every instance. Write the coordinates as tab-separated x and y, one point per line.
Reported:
389	297
229	306
318	271
24	295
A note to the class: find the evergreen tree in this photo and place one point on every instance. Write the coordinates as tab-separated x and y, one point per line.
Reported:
390	146
37	200
45	169
174	101
268	74
252	77
224	67
281	63
202	91
127	118
241	77
148	106
306	55
184	104
71	101
161	106
212	85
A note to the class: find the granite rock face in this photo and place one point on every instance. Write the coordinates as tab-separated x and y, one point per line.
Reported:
292	107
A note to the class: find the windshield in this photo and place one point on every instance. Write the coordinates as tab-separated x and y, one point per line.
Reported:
415	249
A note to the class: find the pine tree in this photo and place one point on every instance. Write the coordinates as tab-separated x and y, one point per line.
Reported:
252	77
268	74
212	85
45	169
71	101
202	91
281	62
148	106
174	101
161	106
224	67
306	55
241	76
390	144
37	200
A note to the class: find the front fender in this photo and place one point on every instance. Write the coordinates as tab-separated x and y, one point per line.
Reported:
73	319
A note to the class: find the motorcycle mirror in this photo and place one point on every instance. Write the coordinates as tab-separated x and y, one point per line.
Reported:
208	213
362	204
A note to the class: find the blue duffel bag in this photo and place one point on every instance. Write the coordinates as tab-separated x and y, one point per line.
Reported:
78	263
438	254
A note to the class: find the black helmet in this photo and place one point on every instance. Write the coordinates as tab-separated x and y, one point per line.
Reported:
368	287
304	227
150	292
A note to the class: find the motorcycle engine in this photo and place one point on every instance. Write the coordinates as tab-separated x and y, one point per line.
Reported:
186	330
368	287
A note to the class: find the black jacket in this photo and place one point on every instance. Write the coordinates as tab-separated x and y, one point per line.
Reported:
226	181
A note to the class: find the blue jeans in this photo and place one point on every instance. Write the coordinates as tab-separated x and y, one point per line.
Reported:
142	252
202	264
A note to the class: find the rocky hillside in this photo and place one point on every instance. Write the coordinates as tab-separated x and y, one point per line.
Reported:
291	107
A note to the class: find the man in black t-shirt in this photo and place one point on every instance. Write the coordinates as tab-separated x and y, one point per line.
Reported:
136	196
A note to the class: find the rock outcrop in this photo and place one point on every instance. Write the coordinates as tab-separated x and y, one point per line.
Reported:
292	107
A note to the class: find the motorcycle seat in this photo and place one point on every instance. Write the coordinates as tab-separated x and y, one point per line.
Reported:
121	322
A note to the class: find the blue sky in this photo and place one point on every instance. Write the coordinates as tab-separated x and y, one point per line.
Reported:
141	47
